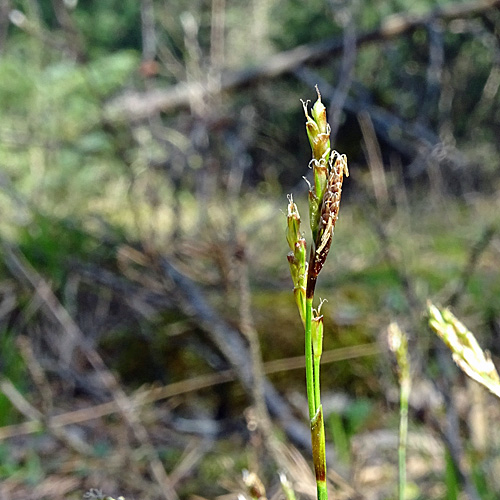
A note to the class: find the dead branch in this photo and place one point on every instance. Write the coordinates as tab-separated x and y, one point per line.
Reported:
132	106
72	441
230	343
149	396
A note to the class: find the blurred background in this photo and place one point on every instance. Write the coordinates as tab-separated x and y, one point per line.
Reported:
150	343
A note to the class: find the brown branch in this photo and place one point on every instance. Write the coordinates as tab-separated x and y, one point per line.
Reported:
144	397
8	389
139	105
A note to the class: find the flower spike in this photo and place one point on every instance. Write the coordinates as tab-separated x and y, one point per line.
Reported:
329	169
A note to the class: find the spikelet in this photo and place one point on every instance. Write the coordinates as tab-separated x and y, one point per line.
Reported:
329	169
327	218
465	350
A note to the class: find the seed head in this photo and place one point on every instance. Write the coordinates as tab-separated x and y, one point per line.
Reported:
318	130
293	224
466	351
328	215
324	202
318	112
398	344
297	256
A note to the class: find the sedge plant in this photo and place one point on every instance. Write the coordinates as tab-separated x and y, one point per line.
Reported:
329	168
465	349
398	344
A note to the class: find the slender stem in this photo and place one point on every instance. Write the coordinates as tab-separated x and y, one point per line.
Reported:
320	483
317	392
403	434
315	409
322	492
309	360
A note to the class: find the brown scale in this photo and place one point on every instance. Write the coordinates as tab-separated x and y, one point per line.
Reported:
329	214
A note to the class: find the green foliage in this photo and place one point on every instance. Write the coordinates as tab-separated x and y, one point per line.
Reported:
54	146
8	465
343	425
16	85
357	414
47	242
108	25
12	367
482	481
27	469
339	437
298	25
451	479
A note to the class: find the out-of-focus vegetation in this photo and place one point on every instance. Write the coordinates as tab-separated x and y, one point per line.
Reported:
146	150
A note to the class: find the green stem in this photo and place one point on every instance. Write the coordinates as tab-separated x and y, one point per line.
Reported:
315	409
309	360
317	392
322	492
403	434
